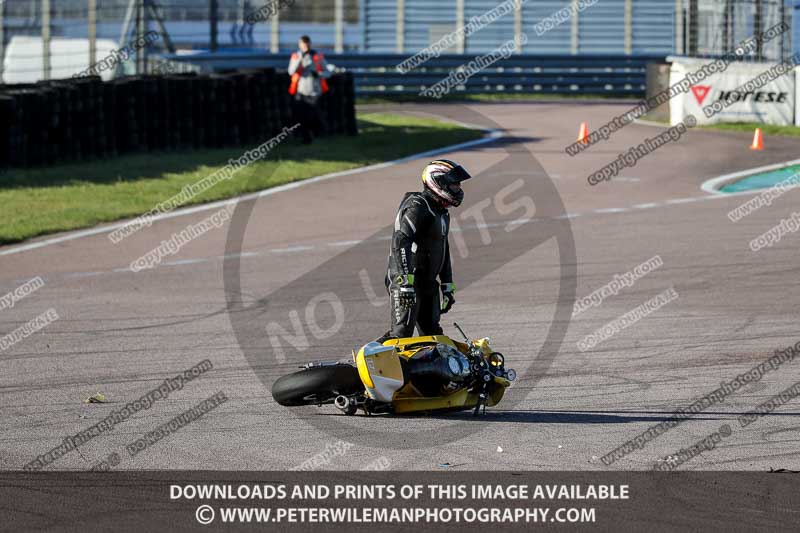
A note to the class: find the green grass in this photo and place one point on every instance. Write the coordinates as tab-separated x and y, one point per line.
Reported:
646	118
483	97
749	127
65	197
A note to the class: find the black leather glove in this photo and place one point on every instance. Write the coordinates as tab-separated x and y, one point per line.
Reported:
407	296
448	296
406	293
314	74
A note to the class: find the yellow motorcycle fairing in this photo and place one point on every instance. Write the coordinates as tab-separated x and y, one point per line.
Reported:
381	372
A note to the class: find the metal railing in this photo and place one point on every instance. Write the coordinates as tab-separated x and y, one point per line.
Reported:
376	74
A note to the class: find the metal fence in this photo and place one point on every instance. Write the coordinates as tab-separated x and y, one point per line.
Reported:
612	27
189	22
582	26
713	27
376	74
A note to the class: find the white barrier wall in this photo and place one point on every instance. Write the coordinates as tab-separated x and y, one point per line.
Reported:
23	62
772	103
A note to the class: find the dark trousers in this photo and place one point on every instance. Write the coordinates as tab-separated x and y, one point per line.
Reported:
306	111
425	314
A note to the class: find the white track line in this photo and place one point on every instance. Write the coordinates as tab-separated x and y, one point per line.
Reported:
77	275
181	262
490	136
683	200
710	186
610	210
306	247
291	249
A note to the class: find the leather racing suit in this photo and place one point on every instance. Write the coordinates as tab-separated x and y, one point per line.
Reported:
419	258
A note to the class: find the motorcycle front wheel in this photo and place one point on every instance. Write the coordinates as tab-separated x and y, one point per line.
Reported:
317	385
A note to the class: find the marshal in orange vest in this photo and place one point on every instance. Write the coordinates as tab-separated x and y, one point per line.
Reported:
317	58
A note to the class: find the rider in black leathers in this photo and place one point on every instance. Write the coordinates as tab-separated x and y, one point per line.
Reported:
419	261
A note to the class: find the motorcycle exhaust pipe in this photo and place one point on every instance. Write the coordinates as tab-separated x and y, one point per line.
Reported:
346	405
342	402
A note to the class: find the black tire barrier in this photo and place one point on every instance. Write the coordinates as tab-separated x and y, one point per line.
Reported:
85	118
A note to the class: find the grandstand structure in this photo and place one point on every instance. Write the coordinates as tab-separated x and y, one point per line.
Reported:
690	27
629	27
580	29
603	26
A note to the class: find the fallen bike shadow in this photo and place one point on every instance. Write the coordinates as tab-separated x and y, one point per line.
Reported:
567	417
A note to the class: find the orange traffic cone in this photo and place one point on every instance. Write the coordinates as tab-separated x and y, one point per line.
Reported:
758	140
583	133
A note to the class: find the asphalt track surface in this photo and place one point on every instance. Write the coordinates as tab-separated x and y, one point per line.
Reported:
123	333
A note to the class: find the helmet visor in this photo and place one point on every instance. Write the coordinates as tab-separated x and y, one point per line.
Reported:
454	188
456	175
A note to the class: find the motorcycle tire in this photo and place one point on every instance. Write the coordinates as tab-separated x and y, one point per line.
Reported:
317	385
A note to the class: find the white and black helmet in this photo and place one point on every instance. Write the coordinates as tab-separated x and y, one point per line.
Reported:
443	178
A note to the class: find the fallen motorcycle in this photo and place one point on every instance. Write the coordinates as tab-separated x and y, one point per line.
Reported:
408	375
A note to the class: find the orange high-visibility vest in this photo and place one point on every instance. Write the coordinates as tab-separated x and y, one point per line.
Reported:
317	58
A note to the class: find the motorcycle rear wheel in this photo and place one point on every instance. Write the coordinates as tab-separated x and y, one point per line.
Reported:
317	385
